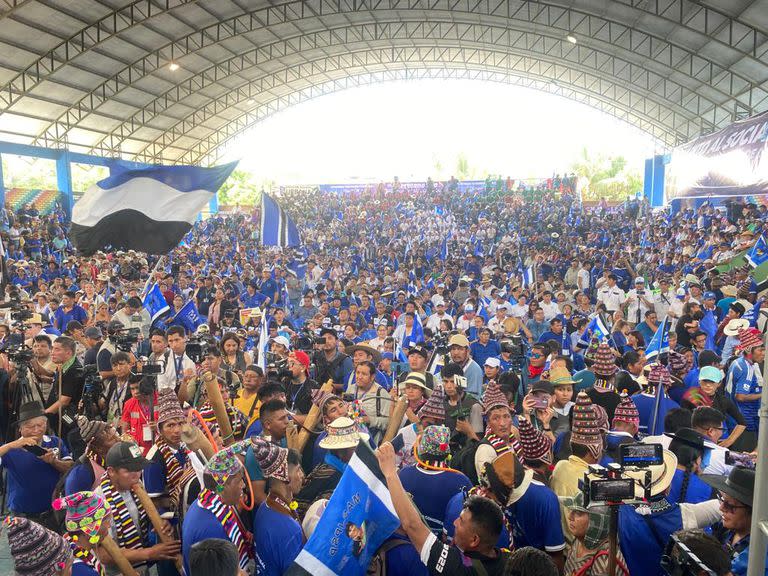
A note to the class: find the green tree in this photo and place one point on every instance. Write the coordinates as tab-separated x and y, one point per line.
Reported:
606	176
240	188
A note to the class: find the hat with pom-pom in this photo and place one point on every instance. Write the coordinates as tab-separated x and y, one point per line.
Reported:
434	407
85	512
626	411
272	459
168	406
536	445
89	429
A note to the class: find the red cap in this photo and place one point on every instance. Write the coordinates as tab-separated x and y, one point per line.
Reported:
301	357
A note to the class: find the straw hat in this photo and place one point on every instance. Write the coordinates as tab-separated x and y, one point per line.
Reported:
661	476
735	326
559	376
342	433
367	348
418	379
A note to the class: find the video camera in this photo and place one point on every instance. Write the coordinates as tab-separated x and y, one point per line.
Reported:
678	560
613	485
306	340
93	390
125	338
516	347
18	353
197	349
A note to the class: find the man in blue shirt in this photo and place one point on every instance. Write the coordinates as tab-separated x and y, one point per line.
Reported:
34	462
268	287
555	331
484	347
69	311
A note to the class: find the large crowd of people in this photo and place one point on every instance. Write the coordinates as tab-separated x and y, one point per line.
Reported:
501	349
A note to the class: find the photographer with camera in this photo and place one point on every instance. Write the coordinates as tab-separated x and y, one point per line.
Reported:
645	526
331	364
133	315
211	362
116	388
107	348
68	382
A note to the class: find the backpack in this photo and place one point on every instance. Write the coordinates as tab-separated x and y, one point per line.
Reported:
378	565
464	460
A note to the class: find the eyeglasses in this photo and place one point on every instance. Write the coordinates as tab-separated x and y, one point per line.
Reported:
727	506
537	355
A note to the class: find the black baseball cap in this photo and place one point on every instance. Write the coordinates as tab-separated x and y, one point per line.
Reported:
420	350
126	455
331	331
543	386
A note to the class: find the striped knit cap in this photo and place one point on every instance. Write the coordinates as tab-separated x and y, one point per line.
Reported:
585	429
604	362
168	406
89	429
626	411
659	375
536	445
749	338
36	550
435	406
494	398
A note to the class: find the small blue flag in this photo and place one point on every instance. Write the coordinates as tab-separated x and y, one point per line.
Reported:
659	343
759	253
277	228
753	313
188	317
155	303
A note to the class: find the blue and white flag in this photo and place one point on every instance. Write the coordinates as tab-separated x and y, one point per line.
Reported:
147	209
659	343
359	517
759	252
277	228
261	361
188	317
753	313
595	329
708	325
528	277
155	302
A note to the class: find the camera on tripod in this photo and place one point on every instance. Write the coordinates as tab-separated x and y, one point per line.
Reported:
306	340
612	484
93	390
125	339
515	346
277	365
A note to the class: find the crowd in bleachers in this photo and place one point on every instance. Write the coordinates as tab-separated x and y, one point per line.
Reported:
491	343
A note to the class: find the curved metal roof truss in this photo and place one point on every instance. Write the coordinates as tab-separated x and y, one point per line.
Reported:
98	75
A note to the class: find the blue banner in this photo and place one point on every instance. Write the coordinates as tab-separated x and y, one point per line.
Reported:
155	303
188	317
359	517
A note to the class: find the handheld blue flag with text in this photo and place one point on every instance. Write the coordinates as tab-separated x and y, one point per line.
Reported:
277	228
188	317
155	302
359	517
759	252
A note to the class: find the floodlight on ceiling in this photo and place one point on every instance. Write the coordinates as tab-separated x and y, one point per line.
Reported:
173	66
572	39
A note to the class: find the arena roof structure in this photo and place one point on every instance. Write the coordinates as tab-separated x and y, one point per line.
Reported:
176	80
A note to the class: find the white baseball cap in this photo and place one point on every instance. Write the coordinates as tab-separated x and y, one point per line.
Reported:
493	362
282	340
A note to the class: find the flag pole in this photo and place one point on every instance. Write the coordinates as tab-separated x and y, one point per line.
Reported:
660	386
151	274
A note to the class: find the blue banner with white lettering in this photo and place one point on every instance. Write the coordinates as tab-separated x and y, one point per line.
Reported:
155	302
188	317
359	517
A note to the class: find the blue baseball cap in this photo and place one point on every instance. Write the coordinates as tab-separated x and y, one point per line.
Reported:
710	296
387	356
710	373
